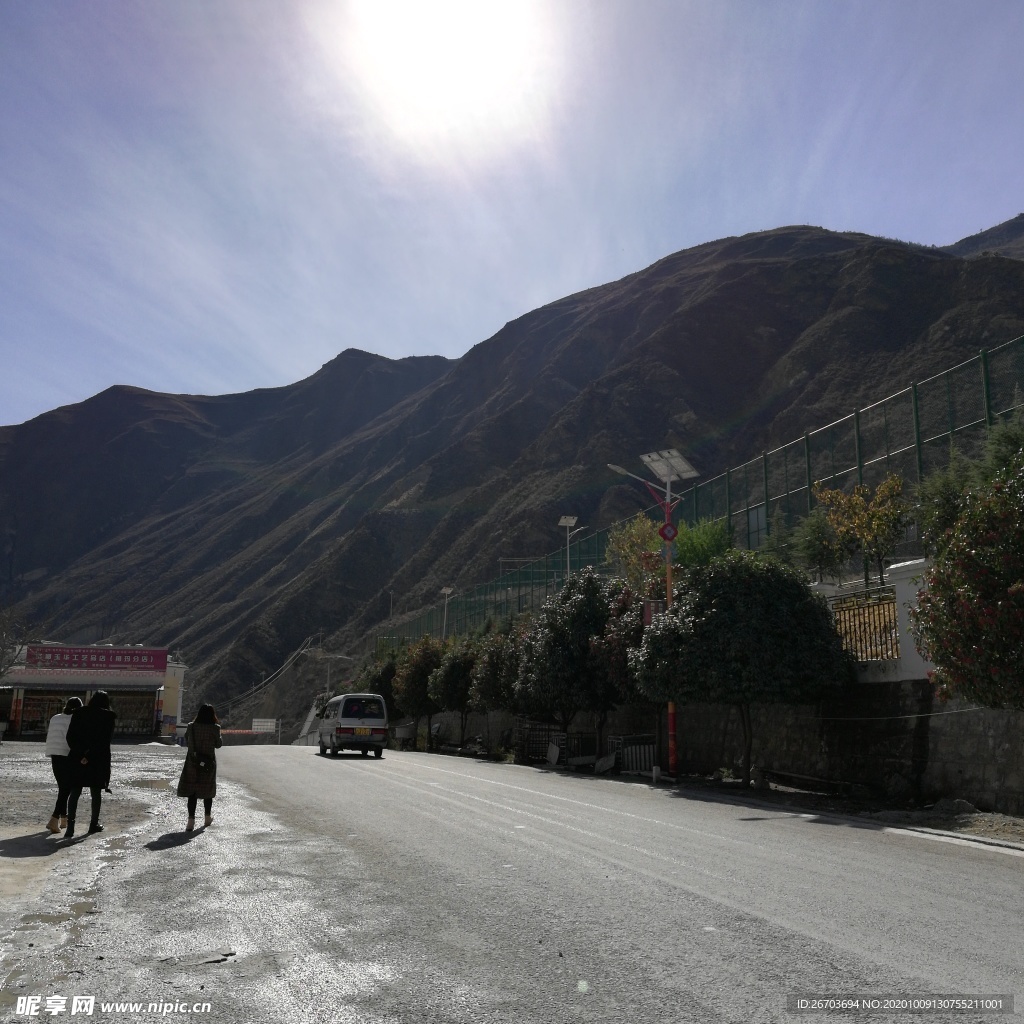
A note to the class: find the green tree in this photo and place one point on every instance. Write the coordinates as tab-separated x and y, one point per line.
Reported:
378	676
623	631
871	523
634	552
744	630
450	684
779	542
559	674
818	548
1002	444
496	671
941	496
940	500
969	619
700	543
411	685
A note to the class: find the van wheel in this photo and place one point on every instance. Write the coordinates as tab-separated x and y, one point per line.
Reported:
379	752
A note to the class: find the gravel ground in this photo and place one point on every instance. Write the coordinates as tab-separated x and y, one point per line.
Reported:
30	790
27	850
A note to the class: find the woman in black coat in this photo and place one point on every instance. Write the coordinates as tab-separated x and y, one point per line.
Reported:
199	772
89	734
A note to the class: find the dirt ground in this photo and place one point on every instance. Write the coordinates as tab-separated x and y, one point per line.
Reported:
29	792
944	816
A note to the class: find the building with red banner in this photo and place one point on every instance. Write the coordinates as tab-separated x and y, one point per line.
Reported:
144	684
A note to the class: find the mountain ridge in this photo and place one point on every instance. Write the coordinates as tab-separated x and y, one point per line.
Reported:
266	516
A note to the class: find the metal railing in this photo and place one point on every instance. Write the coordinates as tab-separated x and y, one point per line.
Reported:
868	623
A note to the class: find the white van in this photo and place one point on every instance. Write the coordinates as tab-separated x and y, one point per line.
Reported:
354	721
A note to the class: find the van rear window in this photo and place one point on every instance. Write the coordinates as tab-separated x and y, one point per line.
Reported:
362	708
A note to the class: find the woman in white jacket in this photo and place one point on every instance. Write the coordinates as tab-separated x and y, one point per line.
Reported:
58	751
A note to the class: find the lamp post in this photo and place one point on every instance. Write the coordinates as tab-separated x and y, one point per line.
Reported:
330	658
667	465
569	522
447	591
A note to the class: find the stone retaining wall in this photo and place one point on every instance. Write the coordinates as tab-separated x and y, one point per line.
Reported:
892	738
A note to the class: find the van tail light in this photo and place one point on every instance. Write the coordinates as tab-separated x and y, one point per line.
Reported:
378	732
343	732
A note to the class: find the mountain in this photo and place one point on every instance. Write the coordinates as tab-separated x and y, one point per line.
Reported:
229	528
1006	239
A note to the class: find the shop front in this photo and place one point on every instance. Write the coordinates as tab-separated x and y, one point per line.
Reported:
141	682
38	707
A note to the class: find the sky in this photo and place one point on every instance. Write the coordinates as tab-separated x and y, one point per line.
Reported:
211	196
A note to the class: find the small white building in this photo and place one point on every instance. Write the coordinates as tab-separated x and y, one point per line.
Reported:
144	683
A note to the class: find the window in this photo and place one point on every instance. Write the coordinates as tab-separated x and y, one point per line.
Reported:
363	708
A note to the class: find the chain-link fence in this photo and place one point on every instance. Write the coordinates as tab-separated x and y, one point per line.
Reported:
908	434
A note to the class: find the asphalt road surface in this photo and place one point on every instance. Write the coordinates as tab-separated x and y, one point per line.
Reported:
422	888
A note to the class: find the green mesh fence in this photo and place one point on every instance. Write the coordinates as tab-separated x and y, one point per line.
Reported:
908	434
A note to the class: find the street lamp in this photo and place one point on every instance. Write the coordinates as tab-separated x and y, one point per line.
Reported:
569	522
329	658
447	591
667	465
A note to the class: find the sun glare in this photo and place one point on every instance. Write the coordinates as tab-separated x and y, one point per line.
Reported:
471	72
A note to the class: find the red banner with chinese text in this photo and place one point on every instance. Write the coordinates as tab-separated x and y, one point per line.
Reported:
52	658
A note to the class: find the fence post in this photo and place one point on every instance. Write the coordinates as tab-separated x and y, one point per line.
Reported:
860	477
807	463
983	356
746	499
764	474
728	506
917	434
856	446
885	430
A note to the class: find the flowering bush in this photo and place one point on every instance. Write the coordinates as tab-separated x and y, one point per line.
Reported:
969	621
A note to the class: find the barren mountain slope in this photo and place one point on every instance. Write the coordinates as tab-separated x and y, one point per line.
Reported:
232	527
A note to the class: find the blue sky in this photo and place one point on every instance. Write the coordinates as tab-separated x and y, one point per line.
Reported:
209	196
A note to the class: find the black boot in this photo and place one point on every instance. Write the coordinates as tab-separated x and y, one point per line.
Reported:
95	827
70	831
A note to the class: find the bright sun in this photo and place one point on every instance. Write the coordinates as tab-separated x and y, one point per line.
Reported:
471	72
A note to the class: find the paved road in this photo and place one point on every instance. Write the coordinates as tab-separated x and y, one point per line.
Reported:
422	888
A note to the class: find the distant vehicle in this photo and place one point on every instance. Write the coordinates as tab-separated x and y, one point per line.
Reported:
354	721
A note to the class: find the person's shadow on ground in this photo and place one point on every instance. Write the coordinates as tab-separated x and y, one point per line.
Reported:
29	846
169	840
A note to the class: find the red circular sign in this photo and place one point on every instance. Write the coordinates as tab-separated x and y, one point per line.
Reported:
668	532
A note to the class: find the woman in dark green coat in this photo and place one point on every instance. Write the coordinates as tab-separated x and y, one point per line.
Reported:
199	772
